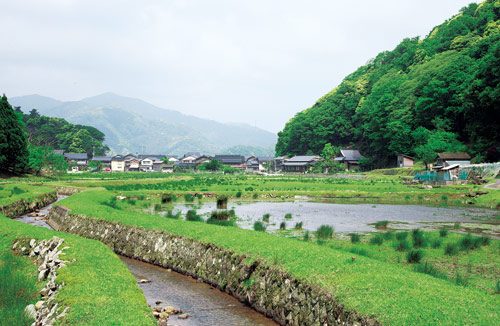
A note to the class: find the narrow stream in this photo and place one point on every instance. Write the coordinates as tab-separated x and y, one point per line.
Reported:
204	304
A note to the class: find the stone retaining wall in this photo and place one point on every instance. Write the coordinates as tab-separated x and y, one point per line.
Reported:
265	287
25	206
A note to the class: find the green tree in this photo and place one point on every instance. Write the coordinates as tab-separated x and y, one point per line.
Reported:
214	165
43	158
13	145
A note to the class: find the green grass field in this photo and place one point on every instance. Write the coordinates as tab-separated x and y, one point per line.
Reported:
13	192
99	289
370	285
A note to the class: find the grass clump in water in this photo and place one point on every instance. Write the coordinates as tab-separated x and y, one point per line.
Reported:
381	225
283	225
288	216
192	216
324	232
265	217
170	214
188	198
299	225
259	226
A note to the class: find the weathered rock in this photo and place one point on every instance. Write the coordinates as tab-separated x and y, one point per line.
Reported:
142	281
183	316
158	309
39	305
30	310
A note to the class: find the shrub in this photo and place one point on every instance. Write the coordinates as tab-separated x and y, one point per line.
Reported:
238	194
355	238
288	216
402	245
222	202
307	236
283	225
414	256
451	249
157	207
401	235
299	225
131	202
170	214
388	235
167	198
443	232
377	240
192	216
324	232
444	197
418	238
188	198
265	217
436	243
497	287
222	215
259	226
456	225
16	191
469	242
199	196
255	196
381	225
485	241
112	202
420	197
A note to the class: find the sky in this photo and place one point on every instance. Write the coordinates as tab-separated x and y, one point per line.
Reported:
257	62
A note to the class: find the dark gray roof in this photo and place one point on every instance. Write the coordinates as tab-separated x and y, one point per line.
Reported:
76	156
102	158
230	159
194	154
302	158
349	155
117	158
59	151
263	159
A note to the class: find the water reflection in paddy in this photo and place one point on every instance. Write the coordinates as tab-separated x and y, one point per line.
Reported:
344	217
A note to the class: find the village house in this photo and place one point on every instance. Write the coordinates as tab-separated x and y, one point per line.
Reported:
301	163
117	163
190	157
278	162
447	159
405	161
104	160
146	165
350	158
132	163
78	161
261	163
234	161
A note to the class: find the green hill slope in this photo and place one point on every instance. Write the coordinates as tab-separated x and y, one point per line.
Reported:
441	93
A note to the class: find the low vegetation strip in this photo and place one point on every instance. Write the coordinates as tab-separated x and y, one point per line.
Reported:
372	288
98	286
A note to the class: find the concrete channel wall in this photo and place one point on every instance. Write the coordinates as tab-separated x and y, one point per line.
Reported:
25	206
265	287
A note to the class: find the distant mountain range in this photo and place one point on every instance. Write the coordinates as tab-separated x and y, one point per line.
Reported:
134	126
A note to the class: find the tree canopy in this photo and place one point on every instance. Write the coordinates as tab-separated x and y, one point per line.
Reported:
441	93
13	146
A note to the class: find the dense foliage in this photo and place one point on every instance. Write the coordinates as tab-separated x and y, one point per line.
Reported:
441	93
13	145
60	134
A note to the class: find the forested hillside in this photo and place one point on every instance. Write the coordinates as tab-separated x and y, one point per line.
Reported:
441	93
60	134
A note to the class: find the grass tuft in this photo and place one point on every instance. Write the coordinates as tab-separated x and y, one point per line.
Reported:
259	226
414	256
324	232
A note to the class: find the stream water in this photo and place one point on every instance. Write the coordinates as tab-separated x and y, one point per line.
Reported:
204	304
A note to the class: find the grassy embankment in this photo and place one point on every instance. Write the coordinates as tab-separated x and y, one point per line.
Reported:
396	295
99	289
13	192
